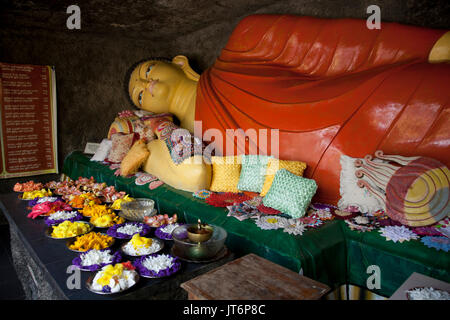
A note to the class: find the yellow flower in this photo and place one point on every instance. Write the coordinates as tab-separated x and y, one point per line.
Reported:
117	205
137	241
69	229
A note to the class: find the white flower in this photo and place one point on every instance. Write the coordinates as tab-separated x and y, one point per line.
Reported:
295	226
158	263
62	215
130	229
130	249
428	294
96	257
398	233
361	220
169	228
271	222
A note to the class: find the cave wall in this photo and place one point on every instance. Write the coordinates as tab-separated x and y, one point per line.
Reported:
91	62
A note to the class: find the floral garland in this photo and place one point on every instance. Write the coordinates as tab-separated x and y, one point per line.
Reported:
145	272
224	199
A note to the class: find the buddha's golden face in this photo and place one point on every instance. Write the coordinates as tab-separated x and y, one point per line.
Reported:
153	84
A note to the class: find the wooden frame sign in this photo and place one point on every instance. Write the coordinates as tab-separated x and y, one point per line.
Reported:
28	120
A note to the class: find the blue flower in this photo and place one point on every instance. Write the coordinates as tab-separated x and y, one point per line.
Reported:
438	243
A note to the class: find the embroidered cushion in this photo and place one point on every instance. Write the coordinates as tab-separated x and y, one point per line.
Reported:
135	157
290	194
226	172
295	167
121	143
351	194
253	173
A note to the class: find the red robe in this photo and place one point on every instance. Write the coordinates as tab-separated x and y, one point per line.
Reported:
331	87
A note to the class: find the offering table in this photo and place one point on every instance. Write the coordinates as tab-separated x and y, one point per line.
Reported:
332	254
43	264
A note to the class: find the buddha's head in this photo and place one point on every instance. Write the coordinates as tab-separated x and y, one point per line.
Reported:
152	83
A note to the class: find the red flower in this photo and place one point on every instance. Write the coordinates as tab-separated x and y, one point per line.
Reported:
267	210
127	265
226	199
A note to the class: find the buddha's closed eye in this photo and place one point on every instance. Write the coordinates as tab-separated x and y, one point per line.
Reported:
150	67
140	97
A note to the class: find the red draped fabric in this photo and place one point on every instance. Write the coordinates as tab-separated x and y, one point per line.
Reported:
331	87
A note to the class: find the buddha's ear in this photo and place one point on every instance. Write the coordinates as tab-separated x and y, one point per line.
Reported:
183	63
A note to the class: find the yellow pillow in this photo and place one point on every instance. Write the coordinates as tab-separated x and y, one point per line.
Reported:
134	158
226	172
295	167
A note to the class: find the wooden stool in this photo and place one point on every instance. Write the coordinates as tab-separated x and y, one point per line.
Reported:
253	278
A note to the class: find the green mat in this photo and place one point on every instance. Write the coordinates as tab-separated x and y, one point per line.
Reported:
331	254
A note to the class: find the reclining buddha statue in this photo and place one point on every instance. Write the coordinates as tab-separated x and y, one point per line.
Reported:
330	87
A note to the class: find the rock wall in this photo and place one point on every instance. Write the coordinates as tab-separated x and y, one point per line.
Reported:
91	62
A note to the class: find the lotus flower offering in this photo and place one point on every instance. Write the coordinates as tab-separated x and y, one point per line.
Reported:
92	240
157	265
69	229
165	232
139	246
30	195
159	220
128	229
27	186
117	204
61	216
85	199
93	260
47	208
114	278
35	201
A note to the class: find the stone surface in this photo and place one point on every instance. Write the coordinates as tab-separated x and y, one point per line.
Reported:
91	62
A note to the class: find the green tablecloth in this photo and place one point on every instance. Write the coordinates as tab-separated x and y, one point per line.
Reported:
332	254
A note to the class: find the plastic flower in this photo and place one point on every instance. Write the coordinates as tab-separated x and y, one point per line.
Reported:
295	226
398	233
271	222
438	243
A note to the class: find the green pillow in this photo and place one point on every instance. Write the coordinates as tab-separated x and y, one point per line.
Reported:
253	173
290	194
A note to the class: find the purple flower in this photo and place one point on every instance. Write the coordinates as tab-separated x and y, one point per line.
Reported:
106	289
117	257
159	232
51	222
175	267
112	231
